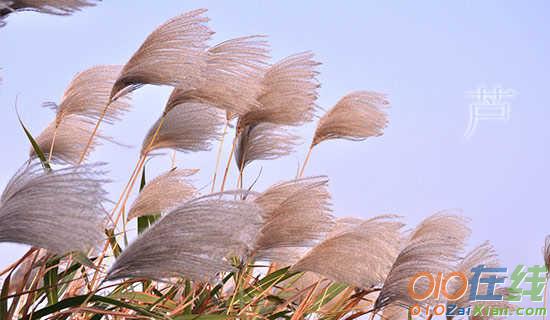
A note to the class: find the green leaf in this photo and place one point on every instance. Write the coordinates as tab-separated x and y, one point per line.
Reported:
3	297
50	280
35	146
78	300
331	292
266	282
144	222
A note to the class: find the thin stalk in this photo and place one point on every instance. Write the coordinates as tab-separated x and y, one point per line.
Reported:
52	144
126	193
218	157
89	143
173	159
237	287
18	262
298	314
305	161
222	188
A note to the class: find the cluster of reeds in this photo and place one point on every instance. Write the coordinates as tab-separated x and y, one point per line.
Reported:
277	253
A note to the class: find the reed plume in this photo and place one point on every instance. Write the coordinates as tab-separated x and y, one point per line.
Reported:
187	127
298	215
163	193
434	246
60	210
483	254
356	116
264	141
88	93
55	7
65	142
173	54
288	95
231	79
193	240
357	252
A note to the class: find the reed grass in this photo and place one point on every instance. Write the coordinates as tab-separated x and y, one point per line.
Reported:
278	253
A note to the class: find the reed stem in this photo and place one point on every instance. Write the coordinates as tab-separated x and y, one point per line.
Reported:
52	144
222	188
218	157
305	161
89	143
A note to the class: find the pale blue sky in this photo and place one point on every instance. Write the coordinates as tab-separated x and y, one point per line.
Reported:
424	56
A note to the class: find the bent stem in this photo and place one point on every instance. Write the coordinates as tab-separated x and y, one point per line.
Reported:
218	157
306	161
53	143
222	188
123	198
89	143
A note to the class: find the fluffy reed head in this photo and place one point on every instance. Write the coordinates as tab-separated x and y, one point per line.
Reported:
56	7
357	116
297	215
264	141
288	95
187	127
173	54
357	252
483	254
88	94
193	240
434	246
71	137
163	193
231	79
59	210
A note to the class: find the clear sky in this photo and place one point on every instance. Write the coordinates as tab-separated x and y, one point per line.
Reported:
426	57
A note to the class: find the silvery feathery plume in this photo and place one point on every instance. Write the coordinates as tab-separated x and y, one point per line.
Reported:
231	78
434	246
484	255
60	210
357	252
71	136
297	215
288	95
356	116
88	93
55	7
193	240
264	141
171	55
187	127
163	193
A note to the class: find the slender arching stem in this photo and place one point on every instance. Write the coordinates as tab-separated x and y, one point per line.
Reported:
126	193
89	143
241	170
305	161
53	142
218	157
222	188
